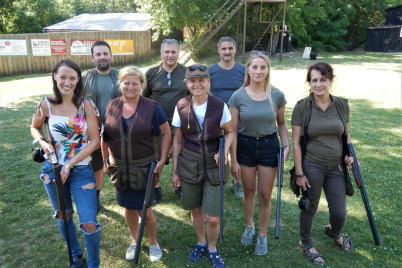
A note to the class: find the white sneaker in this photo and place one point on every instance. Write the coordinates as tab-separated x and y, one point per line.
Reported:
130	252
155	253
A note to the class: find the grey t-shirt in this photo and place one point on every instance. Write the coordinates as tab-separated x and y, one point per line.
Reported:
256	118
104	86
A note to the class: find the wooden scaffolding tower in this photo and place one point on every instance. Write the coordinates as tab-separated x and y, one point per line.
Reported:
226	12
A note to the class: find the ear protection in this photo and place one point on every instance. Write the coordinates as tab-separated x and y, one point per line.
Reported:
38	155
305	201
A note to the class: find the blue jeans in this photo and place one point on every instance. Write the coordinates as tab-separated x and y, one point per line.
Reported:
82	186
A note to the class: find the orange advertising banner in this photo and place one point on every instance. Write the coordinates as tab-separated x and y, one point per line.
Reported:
121	47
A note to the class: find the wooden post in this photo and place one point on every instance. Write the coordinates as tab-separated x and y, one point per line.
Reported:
244	33
283	29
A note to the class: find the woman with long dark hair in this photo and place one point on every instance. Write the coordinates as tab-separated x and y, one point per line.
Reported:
73	127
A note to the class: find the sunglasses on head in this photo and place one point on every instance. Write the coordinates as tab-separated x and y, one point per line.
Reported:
259	52
169	40
192	68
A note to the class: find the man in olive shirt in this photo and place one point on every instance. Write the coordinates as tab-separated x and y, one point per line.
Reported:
100	85
165	84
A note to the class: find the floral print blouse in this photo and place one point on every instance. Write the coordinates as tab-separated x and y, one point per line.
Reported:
70	134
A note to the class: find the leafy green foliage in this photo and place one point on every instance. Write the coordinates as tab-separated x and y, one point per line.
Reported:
327	31
170	14
6	11
333	25
31	16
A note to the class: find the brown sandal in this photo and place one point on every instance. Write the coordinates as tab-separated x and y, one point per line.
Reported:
346	239
312	256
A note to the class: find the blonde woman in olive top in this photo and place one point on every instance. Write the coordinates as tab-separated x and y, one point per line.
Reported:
258	115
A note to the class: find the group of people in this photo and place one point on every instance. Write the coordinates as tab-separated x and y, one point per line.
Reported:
118	122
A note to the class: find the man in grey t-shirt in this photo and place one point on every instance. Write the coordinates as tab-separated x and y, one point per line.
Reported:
100	85
226	77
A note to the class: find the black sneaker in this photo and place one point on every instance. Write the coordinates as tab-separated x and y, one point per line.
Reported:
178	192
158	195
99	206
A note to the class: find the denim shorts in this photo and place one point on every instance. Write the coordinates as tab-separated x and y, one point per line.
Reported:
262	151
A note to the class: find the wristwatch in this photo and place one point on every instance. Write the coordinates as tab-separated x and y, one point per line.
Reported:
300	175
38	139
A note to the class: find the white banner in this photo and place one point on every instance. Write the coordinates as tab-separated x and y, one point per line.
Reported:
13	47
40	47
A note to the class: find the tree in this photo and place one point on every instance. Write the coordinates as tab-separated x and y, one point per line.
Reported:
336	24
6	11
31	16
170	14
103	6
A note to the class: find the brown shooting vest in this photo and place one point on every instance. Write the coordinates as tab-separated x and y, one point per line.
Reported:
131	151
196	161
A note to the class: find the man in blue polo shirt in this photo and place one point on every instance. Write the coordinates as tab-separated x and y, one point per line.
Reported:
226	77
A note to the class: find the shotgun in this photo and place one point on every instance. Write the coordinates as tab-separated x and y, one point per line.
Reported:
360	185
221	169
60	193
148	193
280	180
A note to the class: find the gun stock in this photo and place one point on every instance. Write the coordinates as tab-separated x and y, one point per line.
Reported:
360	184
221	169
148	193
356	177
280	180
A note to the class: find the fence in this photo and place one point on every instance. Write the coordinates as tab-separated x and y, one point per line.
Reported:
144	50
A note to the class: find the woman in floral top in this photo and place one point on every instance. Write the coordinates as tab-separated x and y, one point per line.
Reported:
73	124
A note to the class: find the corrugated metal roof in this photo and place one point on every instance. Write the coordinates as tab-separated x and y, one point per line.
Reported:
385	27
104	22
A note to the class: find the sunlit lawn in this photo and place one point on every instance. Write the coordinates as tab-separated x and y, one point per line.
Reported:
372	82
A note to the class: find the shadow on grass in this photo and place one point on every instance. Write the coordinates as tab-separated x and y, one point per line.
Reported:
29	236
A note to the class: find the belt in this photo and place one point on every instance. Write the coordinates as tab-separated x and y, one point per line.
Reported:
273	135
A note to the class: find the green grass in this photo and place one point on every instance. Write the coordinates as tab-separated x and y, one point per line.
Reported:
29	236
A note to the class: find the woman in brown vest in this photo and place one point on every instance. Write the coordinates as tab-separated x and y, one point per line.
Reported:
130	122
198	120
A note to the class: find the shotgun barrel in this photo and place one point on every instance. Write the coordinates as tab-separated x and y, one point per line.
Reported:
360	184
148	193
221	169
280	180
60	193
